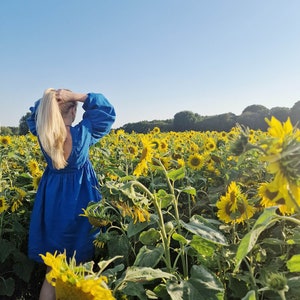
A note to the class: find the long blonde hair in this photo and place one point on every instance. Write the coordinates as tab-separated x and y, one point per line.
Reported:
51	128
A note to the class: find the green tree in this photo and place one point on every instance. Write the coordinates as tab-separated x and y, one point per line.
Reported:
185	120
256	108
254	116
23	127
253	120
280	113
223	122
5	130
295	113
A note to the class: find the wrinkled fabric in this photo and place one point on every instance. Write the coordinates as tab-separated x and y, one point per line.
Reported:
62	194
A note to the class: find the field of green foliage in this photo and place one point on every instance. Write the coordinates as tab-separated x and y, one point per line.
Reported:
184	215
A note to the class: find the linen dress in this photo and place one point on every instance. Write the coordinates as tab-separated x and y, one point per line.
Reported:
55	223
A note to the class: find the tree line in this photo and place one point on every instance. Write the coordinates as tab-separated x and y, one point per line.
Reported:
252	116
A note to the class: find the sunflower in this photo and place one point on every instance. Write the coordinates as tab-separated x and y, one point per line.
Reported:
120	132
137	213
100	214
5	140
210	144
155	143
141	169
195	161
101	239
233	207
3	205
271	196
132	151
290	192
73	281
17	196
140	214
223	136
155	130
36	180
280	130
112	176
125	208
282	150
33	166
180	162
163	146
146	157
178	147
194	147
167	162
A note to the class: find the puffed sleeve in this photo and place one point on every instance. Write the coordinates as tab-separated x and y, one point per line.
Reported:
100	114
31	120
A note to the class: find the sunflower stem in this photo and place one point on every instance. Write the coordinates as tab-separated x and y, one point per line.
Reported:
291	219
177	219
282	294
161	223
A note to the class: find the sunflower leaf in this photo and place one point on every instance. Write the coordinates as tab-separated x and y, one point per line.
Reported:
197	227
294	263
176	174
249	240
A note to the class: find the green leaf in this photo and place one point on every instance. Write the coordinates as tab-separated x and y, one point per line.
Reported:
6	249
118	245
250	296
178	237
135	289
176	174
164	198
144	274
7	287
249	240
23	266
273	241
161	291
135	228
294	288
183	290
202	285
112	272
149	237
206	283
202	246
104	263
293	264
199	228
189	190
149	257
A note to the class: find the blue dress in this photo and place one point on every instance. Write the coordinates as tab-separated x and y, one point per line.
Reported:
62	194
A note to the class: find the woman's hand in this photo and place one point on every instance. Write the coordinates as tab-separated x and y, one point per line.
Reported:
66	95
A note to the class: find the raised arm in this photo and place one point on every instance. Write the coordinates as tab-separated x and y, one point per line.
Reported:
99	114
66	95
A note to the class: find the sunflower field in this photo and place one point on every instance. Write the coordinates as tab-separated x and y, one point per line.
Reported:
184	215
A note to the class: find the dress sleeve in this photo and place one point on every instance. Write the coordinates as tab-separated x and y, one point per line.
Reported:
31	120
100	114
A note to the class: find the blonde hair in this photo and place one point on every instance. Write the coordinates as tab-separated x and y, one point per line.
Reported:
51	128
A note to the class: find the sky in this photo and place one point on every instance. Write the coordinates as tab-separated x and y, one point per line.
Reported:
151	59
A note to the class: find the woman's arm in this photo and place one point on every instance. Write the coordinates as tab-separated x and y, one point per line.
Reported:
66	95
99	115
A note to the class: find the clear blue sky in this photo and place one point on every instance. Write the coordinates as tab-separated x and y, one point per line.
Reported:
151	59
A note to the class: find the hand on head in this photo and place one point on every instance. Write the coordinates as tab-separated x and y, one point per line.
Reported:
63	95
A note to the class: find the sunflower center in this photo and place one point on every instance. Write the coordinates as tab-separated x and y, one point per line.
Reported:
195	161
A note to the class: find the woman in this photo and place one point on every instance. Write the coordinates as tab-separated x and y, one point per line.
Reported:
69	182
